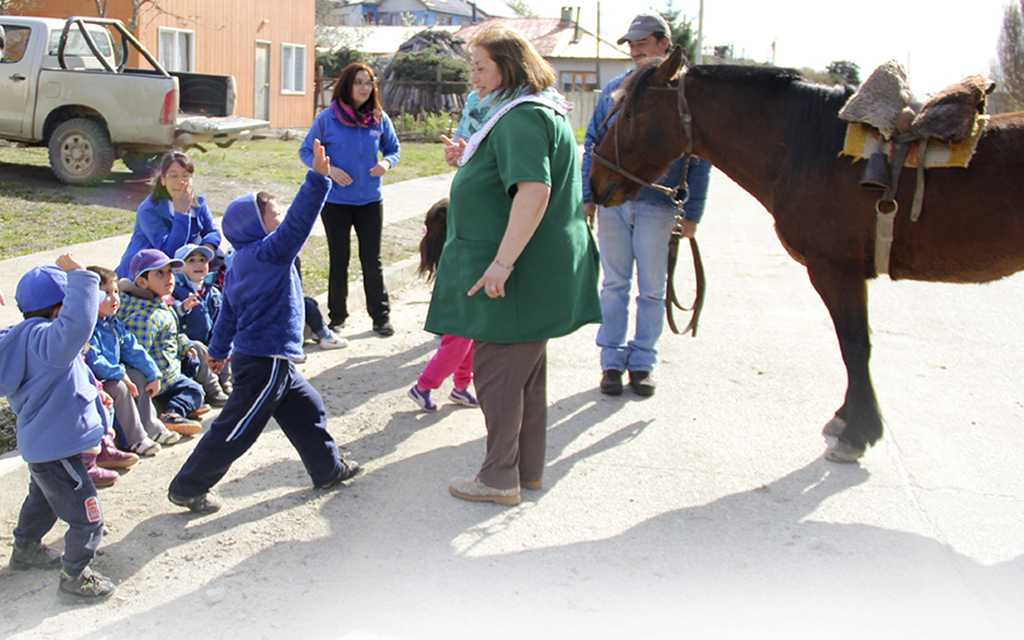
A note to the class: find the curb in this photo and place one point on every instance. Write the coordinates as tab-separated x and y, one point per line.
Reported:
14	476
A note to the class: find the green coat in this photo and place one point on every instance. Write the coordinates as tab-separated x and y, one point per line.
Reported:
553	289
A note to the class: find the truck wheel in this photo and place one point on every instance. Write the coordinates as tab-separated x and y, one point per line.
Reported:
81	152
142	163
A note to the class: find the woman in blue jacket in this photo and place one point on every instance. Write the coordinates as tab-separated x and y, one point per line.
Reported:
172	216
361	143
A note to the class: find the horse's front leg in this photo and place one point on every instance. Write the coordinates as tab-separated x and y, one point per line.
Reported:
857	424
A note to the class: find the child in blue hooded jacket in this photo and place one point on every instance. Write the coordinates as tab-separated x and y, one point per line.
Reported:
60	415
262	316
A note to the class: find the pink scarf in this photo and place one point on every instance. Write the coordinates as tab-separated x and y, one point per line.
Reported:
350	117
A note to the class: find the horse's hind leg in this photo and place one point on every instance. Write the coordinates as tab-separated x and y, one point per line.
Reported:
857	424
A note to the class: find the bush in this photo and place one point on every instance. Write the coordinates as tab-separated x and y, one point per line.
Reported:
422	66
333	63
424	126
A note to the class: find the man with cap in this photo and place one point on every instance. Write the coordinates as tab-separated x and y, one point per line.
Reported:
60	416
637	232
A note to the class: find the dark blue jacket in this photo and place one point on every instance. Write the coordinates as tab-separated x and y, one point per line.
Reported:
197	323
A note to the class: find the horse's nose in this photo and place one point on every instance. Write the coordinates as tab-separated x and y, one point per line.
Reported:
601	198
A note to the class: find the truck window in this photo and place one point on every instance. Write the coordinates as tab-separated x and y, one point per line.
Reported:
16	39
77	46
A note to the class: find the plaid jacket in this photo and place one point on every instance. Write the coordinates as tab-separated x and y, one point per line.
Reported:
154	325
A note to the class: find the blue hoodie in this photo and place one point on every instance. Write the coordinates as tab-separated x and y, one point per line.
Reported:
263	311
159	226
45	379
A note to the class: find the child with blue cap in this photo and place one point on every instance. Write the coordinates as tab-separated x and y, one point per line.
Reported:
60	415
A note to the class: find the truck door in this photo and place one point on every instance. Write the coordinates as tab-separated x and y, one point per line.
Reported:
18	73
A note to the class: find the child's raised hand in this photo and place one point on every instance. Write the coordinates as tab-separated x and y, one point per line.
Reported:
321	163
190	302
68	263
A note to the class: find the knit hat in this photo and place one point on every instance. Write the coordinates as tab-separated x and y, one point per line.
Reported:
149	259
644	25
189	249
41	287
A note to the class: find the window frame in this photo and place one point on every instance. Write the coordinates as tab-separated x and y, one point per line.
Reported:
191	39
300	78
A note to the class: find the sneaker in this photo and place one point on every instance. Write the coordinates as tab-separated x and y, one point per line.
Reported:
100	477
384	329
464	397
611	382
86	588
331	341
476	491
147	447
201	411
642	383
35	556
110	457
168	437
349	470
422	398
180	425
336	326
217	399
204	503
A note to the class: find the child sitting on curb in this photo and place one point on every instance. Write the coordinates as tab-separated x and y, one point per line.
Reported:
261	322
60	415
128	373
455	355
154	325
197	303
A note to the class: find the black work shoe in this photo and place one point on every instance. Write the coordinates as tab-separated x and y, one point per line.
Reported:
86	588
205	503
611	382
349	470
642	383
35	556
384	329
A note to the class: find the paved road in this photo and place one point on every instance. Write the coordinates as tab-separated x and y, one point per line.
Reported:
704	512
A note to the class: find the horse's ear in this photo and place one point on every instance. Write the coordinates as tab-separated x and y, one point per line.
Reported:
671	66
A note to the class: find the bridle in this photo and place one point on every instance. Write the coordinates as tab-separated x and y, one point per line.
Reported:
683	109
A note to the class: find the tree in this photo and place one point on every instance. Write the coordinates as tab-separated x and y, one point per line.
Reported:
520	7
19	6
1008	68
844	72
682	31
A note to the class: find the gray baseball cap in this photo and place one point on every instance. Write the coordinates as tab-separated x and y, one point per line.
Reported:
644	25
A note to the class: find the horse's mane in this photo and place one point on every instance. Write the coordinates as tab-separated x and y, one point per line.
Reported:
814	132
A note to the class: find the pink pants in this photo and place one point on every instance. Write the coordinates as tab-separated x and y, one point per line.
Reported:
454	356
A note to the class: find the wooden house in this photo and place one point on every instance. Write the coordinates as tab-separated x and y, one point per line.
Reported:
267	45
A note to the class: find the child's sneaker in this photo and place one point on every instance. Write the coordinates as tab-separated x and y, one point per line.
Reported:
331	341
35	556
201	411
86	588
167	437
204	503
100	477
422	398
176	423
464	397
147	447
110	457
217	398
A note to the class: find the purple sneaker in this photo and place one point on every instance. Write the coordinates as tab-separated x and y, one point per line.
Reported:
422	398
464	397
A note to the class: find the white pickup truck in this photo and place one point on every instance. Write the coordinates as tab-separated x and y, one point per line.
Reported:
65	84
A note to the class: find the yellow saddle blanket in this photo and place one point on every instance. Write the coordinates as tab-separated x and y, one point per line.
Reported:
862	141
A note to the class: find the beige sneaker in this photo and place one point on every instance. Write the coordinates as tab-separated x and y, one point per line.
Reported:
476	491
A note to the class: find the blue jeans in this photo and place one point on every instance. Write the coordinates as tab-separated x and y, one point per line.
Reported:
62	489
633	233
183	397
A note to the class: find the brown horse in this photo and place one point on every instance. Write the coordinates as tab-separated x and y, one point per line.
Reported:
778	136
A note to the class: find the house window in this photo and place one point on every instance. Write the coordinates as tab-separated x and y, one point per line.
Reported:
383	18
177	49
579	81
293	68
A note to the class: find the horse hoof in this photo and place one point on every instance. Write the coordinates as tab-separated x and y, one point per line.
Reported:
834	428
839	451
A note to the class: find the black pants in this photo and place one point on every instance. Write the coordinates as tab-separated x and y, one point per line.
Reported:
264	388
368	219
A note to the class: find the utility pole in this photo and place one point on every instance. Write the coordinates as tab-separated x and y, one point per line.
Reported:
700	35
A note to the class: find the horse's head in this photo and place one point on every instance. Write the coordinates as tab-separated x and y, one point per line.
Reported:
646	137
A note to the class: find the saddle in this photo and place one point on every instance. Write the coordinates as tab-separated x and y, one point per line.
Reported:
886	103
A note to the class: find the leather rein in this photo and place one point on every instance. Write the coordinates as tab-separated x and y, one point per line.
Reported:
671	300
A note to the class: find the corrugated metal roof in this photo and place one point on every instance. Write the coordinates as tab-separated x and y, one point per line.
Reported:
555	40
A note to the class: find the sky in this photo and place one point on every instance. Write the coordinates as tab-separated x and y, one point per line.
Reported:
938	46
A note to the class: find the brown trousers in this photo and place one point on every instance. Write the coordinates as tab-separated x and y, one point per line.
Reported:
511	384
